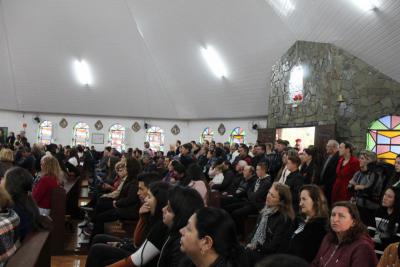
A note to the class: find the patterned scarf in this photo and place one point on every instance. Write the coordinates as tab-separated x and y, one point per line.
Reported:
260	234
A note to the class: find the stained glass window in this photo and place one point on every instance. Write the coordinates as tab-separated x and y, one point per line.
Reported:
155	136
207	134
383	138
45	132
237	135
81	134
296	85
116	137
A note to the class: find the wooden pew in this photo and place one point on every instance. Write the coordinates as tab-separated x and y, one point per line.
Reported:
57	214
33	252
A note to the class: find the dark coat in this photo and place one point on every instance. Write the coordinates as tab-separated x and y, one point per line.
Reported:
295	181
257	198
328	175
128	202
312	235
278	232
171	254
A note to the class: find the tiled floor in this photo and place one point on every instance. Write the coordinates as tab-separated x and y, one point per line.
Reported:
68	261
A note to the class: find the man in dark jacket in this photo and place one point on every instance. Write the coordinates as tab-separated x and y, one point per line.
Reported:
328	173
256	198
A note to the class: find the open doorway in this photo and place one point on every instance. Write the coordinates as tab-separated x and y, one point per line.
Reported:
300	137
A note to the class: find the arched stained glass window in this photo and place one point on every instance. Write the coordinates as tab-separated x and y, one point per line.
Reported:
81	134
116	137
238	135
155	137
45	132
296	85
207	134
383	138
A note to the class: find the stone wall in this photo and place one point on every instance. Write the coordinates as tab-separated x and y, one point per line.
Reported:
329	72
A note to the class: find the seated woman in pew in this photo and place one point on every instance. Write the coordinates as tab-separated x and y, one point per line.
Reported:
311	226
195	179
274	224
182	203
347	243
107	249
387	219
50	178
18	183
9	222
209	239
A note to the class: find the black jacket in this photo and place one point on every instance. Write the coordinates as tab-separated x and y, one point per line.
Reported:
328	175
306	243
245	187
128	202
229	178
257	197
295	181
171	254
277	236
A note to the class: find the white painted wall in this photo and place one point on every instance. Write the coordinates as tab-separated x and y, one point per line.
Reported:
190	130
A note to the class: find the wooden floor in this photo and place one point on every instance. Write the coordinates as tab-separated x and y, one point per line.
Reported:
68	261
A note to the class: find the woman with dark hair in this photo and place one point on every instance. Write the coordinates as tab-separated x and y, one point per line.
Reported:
311	226
387	219
18	183
395	179
274	224
209	239
195	179
308	168
347	243
347	166
182	203
107	249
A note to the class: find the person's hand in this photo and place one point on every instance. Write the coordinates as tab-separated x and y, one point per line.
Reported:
224	193
113	244
359	187
114	203
251	246
107	186
172	180
144	209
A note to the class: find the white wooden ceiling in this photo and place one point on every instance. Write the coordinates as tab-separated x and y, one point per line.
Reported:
145	54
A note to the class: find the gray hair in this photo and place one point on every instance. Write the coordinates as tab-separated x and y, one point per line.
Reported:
333	143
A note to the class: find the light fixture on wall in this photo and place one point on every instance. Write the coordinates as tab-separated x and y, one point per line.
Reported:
340	98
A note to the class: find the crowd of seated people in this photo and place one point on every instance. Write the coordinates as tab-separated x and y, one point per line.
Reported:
316	210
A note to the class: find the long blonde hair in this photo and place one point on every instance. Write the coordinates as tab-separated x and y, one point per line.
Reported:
51	167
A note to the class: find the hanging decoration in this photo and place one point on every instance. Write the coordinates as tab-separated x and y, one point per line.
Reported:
63	123
175	130
136	127
98	125
221	129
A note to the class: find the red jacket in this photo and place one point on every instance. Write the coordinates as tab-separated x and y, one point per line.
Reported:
359	253
343	176
41	193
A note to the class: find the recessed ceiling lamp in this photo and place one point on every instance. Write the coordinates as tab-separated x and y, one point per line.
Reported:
284	7
214	61
82	72
366	5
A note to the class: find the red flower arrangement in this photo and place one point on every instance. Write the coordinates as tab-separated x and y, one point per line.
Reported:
298	97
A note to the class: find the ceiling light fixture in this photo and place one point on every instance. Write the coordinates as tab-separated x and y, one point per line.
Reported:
366	5
82	72
214	61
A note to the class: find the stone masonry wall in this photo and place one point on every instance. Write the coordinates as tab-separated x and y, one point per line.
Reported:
329	72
